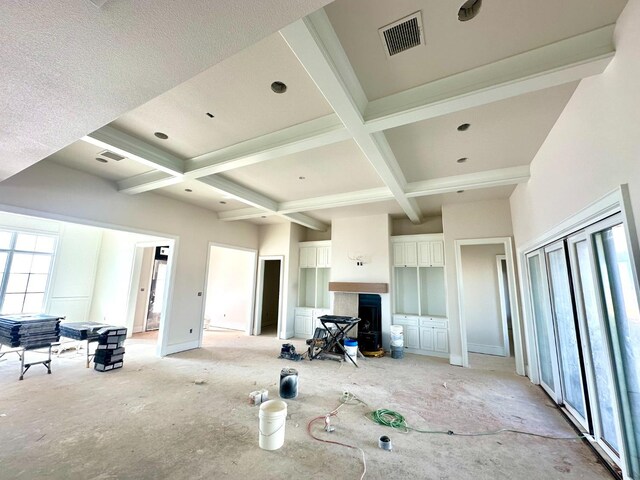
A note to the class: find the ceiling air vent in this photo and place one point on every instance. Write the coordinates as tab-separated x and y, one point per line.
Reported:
111	155
402	34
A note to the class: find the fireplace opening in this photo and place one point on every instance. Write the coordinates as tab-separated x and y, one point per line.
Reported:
370	326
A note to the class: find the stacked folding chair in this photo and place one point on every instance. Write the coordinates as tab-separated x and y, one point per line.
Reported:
110	350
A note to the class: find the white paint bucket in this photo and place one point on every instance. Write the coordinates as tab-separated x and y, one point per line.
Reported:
397	336
273	415
351	348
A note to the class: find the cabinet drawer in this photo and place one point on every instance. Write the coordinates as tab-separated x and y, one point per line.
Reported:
433	322
405	320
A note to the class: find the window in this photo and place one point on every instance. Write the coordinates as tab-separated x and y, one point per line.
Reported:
25	266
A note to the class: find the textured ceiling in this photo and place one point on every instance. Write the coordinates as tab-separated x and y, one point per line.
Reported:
68	67
501	29
262	143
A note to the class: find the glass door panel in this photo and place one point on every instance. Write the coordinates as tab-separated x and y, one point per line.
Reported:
568	348
602	404
623	319
542	322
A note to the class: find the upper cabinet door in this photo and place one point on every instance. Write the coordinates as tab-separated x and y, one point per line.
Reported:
431	253
424	254
323	257
437	253
308	257
410	254
398	255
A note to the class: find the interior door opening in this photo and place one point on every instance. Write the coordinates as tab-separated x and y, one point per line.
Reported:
486	328
229	290
269	288
156	289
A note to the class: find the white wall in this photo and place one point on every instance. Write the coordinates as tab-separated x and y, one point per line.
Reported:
367	236
113	278
593	147
292	271
74	274
486	219
72	278
279	239
482	299
55	191
230	286
404	226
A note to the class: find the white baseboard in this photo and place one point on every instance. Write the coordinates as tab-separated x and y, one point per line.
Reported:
180	347
486	349
455	360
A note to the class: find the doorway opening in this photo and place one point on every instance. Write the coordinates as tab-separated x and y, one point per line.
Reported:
269	296
489	321
229	289
505	303
149	281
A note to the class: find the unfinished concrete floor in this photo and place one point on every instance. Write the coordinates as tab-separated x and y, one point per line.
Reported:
150	420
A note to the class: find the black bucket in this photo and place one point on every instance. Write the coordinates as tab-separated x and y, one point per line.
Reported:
288	383
397	352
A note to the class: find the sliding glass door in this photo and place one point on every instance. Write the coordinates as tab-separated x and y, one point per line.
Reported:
594	344
542	322
586	318
569	350
619	294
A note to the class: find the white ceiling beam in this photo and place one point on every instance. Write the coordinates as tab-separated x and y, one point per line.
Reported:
241	193
147	181
337	200
259	201
470	181
319	203
315	133
315	43
487	179
555	64
242	213
117	141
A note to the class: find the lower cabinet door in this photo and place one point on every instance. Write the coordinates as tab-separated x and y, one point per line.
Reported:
427	341
303	326
441	340
411	337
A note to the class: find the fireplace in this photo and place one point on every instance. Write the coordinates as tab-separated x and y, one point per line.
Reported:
370	326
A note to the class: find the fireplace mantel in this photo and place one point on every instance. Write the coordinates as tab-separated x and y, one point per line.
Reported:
358	287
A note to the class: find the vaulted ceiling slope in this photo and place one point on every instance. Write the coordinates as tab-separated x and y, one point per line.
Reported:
68	67
458	117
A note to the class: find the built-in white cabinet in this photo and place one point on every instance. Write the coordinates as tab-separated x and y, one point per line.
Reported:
313	281
405	254
419	293
308	257
425	335
306	321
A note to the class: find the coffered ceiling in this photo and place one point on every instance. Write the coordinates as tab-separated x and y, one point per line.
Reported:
358	132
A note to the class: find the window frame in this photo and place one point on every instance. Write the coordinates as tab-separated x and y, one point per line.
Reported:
11	251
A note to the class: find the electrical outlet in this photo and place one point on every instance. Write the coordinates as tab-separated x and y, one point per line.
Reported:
191	330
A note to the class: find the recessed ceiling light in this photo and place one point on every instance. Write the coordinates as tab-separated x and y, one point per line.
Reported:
161	136
460	191
188	190
278	87
210	115
469	10
222	202
263	216
102	160
464	127
302	178
462	160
